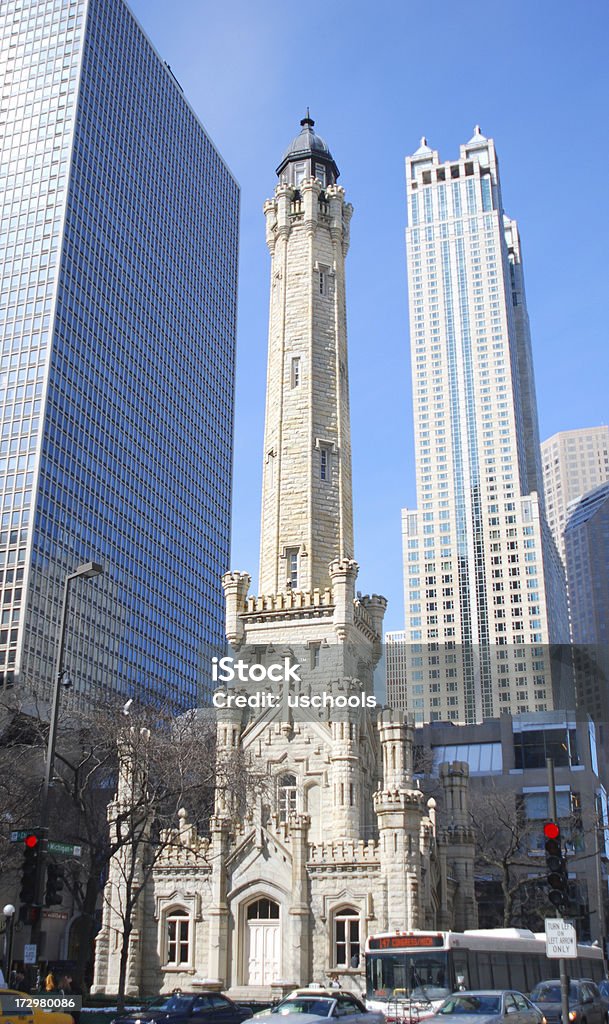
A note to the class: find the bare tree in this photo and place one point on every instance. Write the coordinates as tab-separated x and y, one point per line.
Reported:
505	839
118	785
169	774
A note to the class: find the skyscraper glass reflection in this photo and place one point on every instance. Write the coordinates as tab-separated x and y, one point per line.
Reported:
118	242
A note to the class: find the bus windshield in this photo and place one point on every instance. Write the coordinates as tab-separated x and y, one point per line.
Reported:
418	976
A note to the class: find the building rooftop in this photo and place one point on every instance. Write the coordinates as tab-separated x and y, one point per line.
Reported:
583	508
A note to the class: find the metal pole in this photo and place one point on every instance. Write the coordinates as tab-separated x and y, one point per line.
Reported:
564	978
9	914
598	839
87	570
50	758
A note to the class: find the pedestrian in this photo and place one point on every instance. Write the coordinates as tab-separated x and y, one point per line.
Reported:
49	982
334	982
65	985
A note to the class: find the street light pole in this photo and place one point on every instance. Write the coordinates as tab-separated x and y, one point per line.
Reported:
9	913
86	571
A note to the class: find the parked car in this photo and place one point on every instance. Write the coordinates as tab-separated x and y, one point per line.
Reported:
487	1007
305	1006
586	1005
188	1008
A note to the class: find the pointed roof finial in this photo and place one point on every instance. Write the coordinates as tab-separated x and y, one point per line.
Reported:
477	136
308	120
423	150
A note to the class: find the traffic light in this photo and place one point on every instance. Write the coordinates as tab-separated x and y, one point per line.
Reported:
557	878
29	871
55	877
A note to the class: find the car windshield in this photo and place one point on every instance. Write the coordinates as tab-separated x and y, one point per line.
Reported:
480	1004
549	992
172	1004
320	1007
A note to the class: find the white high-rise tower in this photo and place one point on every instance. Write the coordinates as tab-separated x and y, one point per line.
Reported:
484	587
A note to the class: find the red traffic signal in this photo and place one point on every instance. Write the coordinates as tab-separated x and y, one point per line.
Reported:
31	841
551	830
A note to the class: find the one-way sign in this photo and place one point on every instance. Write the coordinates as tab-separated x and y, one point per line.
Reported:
561	938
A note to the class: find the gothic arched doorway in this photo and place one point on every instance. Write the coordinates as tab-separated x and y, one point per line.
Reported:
262	942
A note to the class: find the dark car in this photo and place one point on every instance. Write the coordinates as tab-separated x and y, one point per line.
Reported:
188	1008
586	1005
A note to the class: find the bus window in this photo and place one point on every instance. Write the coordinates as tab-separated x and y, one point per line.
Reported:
460	974
538	966
473	974
501	978
485	974
518	973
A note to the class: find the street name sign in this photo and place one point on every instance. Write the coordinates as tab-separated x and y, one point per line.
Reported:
561	939
67	849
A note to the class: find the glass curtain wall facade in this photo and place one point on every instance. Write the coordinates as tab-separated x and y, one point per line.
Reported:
483	582
118	239
586	540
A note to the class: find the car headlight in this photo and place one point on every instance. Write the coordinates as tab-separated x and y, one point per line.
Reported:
572	1015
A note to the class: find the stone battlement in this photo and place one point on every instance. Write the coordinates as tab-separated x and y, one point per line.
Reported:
292	601
344	851
183	846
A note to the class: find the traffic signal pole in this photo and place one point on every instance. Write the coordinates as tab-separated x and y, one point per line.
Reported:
564	979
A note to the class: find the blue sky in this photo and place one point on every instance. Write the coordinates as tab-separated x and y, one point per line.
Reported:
376	77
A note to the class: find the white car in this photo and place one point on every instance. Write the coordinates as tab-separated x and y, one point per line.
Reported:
308	1006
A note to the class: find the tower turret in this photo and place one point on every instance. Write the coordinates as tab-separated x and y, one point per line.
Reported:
457	839
307	518
307	156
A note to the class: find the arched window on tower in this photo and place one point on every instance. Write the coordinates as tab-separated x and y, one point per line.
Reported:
346	937
287	798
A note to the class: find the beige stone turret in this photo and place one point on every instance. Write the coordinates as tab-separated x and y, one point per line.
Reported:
456	840
307	517
400	808
131	793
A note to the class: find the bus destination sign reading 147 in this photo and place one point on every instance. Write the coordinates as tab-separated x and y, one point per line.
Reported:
406	942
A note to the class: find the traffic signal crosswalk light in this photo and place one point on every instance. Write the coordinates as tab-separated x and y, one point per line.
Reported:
556	866
54	888
30	868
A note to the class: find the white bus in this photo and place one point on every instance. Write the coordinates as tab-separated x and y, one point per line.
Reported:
409	974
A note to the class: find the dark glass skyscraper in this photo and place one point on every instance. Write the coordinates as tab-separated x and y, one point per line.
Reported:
118	243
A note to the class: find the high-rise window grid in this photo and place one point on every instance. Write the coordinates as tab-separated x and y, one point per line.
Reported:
117	357
467	377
